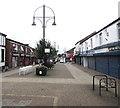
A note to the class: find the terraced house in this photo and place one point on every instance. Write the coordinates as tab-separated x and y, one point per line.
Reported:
2	50
101	50
18	54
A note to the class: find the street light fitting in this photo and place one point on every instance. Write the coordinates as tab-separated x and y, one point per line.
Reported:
54	22
33	24
44	21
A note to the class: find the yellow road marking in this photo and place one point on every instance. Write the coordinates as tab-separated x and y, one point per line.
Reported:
54	97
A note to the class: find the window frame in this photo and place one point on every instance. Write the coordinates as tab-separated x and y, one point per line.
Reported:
100	38
118	30
2	55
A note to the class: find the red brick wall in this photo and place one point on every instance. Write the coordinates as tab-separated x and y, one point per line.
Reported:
23	58
8	53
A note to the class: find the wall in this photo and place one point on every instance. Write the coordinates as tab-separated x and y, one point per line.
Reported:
108	35
119	9
2	46
2	63
85	61
77	49
8	53
18	54
101	52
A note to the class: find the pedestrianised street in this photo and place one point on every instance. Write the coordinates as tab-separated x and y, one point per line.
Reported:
65	85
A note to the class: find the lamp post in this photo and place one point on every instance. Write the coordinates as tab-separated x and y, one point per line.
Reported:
44	21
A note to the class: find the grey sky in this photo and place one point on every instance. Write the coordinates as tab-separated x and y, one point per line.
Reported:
75	19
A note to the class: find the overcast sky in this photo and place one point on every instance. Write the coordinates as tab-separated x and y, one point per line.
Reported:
75	20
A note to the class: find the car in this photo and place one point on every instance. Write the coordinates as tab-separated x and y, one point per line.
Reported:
62	60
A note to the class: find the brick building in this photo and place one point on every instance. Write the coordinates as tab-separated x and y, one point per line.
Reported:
18	54
69	55
100	51
2	50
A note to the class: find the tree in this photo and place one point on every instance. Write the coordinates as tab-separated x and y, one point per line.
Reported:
40	48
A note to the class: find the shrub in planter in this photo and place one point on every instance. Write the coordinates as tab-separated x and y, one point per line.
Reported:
41	70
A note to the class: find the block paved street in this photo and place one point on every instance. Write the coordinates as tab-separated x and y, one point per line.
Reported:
65	85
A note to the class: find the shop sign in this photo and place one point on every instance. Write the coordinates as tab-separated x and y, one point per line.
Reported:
114	48
47	50
27	55
102	50
22	54
15	54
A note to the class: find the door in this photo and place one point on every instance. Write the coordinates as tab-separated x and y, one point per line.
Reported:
114	66
85	61
14	61
102	64
91	62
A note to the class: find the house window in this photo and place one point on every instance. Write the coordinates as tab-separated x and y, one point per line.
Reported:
15	46
86	46
22	48
119	31
26	50
1	40
2	55
107	33
100	38
81	48
91	43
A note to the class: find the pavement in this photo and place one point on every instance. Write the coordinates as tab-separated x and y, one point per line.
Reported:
65	85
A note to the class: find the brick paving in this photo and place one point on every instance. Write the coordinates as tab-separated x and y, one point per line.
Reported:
23	100
66	85
59	71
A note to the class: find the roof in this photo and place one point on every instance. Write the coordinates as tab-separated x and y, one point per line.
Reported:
17	42
20	43
109	25
87	37
3	34
70	50
92	34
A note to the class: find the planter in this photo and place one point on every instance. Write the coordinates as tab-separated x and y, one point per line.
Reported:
41	70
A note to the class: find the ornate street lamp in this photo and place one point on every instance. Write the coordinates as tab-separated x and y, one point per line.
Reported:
44	21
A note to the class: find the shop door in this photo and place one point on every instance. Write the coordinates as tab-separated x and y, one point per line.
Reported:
91	62
114	66
102	64
14	61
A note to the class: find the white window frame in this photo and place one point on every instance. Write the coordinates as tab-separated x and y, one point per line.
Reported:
118	31
100	38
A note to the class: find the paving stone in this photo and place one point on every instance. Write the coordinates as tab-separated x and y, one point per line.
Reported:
71	87
10	100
